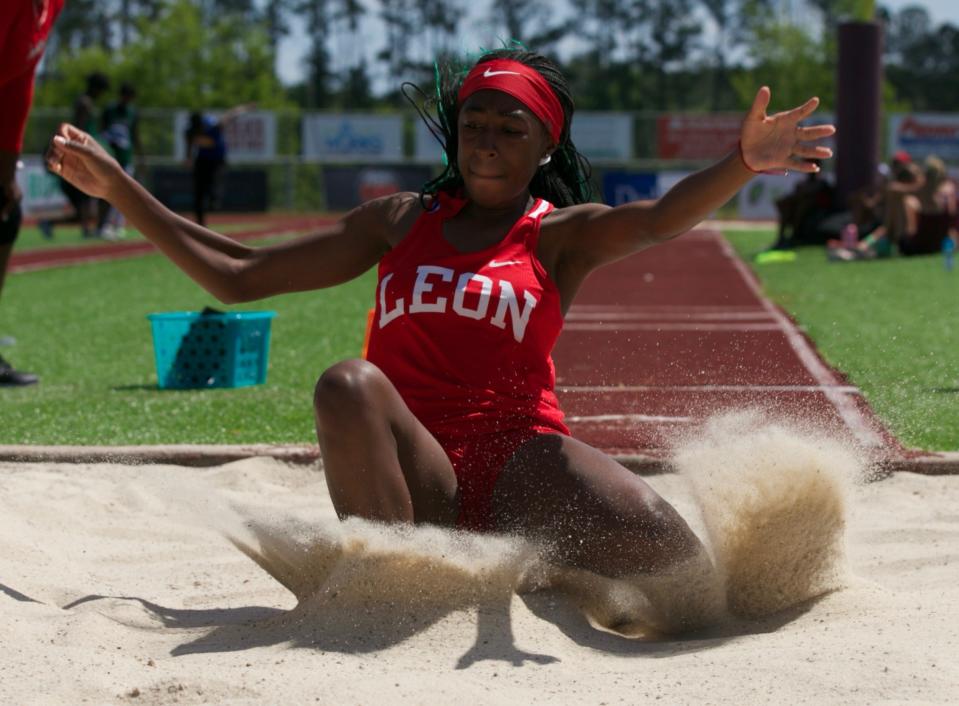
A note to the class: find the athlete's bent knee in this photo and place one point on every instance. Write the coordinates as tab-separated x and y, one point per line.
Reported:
343	386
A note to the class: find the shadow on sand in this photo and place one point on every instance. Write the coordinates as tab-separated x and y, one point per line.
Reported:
333	624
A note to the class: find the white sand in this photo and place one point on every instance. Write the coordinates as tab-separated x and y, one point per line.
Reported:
119	584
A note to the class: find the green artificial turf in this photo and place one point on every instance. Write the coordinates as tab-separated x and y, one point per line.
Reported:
84	330
892	326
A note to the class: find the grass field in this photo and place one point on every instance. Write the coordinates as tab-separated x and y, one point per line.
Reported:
83	329
891	325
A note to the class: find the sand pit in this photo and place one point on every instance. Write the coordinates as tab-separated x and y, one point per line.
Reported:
135	584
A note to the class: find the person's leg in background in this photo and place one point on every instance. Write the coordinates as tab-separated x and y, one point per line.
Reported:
9	229
202	189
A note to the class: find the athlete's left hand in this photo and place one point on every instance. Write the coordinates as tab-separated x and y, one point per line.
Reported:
777	142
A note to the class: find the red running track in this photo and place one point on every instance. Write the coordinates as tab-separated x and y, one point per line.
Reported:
660	341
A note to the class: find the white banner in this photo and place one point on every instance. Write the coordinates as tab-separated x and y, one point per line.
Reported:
250	137
353	137
425	146
604	137
42	195
925	134
758	198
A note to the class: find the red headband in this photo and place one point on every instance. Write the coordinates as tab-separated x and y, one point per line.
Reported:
523	83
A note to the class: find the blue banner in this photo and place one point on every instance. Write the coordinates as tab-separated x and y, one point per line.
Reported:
623	187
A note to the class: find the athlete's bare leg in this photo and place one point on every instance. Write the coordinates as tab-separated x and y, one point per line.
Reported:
590	512
380	462
5	251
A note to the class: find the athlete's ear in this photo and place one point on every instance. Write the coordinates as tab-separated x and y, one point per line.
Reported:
547	153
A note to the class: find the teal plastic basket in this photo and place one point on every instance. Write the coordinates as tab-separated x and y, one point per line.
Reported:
197	349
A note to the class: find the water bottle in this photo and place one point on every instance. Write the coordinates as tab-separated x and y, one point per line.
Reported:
849	236
948	252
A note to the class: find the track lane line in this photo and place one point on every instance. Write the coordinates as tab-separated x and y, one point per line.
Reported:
846	389
844	406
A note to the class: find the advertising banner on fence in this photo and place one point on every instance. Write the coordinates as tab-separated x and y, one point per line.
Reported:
697	137
250	137
668	179
623	187
352	137
42	195
346	187
603	137
425	146
925	134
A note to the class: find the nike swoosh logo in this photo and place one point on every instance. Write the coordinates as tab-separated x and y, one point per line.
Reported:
504	263
489	73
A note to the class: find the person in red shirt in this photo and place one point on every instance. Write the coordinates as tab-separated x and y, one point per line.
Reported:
24	28
452	419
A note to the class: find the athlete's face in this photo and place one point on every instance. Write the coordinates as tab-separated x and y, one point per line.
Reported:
500	145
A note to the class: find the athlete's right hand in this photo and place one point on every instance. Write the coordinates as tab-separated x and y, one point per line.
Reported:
79	159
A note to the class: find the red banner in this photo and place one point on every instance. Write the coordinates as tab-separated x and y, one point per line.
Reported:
697	136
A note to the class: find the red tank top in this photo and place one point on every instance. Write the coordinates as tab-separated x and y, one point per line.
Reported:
466	337
24	28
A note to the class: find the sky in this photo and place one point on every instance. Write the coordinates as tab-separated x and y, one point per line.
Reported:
292	49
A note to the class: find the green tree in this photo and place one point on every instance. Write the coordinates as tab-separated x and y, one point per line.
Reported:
922	61
672	36
178	61
790	61
530	22
732	19
317	88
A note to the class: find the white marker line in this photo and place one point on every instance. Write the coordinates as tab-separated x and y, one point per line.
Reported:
846	408
621	326
845	389
639	315
672	308
642	418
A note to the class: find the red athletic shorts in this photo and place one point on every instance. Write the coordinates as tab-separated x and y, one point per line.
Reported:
477	461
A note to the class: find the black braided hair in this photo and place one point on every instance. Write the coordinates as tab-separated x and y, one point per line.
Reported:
564	181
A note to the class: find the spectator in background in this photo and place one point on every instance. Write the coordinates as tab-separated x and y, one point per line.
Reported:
934	210
86	209
900	209
802	210
867	205
25	26
206	152
938	194
120	128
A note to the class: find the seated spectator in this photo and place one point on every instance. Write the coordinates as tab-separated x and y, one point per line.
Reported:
935	211
802	210
867	205
900	214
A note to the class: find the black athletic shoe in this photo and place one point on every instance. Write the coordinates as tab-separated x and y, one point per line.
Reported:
14	378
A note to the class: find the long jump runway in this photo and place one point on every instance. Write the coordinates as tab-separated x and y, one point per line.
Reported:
660	341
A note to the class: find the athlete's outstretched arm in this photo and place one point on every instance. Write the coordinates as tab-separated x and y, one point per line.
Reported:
229	270
773	143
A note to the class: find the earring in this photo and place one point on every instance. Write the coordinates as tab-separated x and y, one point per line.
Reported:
545	160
